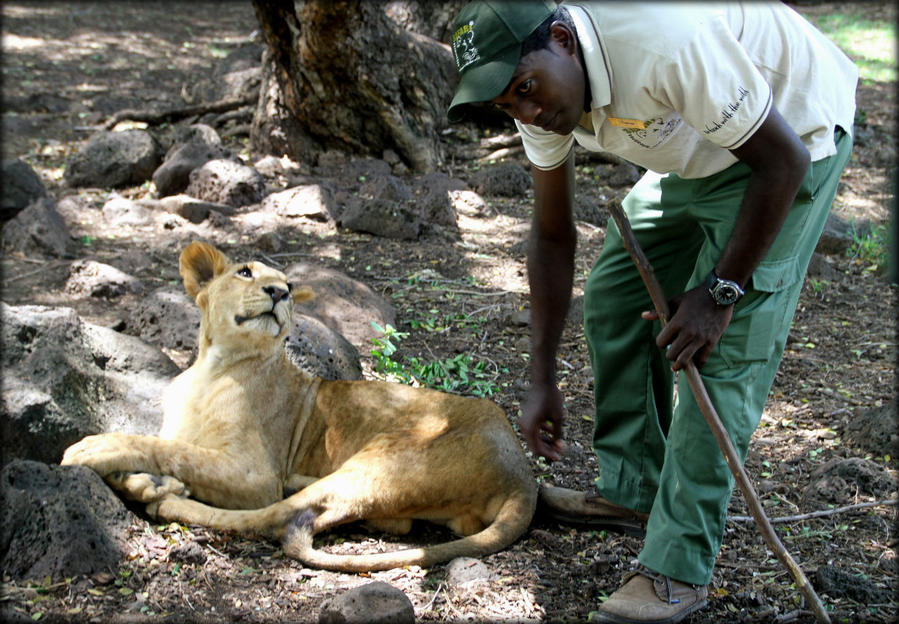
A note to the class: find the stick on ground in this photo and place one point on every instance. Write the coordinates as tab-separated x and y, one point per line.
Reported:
714	421
822	513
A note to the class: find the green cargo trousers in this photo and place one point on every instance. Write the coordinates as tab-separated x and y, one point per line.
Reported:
656	453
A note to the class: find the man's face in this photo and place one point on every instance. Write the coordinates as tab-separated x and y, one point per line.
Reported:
547	87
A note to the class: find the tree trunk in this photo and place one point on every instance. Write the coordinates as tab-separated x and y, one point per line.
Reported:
433	18
340	74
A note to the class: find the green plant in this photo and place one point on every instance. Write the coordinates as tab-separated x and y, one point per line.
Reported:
435	323
817	287
460	374
456	374
871	246
384	350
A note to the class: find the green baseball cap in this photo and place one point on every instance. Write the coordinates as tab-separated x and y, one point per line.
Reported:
486	44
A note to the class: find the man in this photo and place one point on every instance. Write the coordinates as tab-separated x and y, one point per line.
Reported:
741	114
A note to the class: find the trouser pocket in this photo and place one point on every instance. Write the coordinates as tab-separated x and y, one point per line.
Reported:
761	321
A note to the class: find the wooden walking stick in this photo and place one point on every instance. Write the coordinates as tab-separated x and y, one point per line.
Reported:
714	422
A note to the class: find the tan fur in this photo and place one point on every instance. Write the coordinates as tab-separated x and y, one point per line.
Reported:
243	426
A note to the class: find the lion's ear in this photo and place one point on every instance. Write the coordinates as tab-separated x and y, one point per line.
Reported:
303	293
199	263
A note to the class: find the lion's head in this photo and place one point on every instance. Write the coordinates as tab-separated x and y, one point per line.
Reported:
245	306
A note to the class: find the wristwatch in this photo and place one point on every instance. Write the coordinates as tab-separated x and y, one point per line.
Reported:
724	292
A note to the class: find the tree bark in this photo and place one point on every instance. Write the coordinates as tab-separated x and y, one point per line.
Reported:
340	74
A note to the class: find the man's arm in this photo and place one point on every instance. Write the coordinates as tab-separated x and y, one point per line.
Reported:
779	162
550	276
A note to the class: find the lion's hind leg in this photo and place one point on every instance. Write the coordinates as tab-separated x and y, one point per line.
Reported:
145	487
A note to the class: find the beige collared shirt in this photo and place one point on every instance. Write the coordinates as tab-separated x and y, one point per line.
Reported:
675	86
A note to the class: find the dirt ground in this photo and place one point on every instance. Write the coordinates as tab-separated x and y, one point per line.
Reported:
67	66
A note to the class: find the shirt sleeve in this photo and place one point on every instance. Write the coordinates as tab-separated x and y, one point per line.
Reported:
714	85
545	150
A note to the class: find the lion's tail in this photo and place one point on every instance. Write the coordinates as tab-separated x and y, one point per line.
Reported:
510	523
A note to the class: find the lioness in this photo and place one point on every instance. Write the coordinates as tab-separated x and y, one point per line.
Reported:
243	426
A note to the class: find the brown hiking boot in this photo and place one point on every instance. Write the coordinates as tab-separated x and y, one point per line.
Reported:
589	509
650	598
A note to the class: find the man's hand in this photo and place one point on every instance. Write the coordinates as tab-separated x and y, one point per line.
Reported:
541	421
695	327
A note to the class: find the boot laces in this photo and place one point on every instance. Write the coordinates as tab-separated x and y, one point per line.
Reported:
661	578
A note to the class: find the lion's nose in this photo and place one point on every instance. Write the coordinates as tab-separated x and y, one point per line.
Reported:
277	294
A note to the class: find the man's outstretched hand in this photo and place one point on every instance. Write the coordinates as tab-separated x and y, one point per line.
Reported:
541	421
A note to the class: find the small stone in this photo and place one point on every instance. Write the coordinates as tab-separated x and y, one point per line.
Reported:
374	603
463	570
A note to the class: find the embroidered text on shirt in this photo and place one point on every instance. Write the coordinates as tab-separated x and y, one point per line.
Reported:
727	112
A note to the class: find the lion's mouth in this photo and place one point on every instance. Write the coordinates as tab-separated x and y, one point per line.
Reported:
240	320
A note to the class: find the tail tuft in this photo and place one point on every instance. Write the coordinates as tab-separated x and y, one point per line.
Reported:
297	536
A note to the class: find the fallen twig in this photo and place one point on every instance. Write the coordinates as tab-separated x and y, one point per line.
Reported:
790	616
213	549
505	152
449	602
823	513
172	114
501	140
474	293
428	606
43	269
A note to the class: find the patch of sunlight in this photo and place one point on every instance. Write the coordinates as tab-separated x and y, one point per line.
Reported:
15	42
509	277
870	43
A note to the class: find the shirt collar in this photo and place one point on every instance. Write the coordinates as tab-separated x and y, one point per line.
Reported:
599	72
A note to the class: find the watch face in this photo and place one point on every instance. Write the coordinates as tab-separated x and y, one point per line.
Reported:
725	294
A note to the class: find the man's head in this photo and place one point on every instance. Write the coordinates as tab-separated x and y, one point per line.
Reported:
522	57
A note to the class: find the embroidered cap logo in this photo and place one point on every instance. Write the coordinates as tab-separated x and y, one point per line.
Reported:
486	43
464	50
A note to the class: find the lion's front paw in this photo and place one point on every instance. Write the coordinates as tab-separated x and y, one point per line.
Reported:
145	487
104	453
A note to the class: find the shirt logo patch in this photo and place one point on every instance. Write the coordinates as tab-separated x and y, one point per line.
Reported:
464	51
654	132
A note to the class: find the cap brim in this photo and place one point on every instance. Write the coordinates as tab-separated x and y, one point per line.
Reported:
483	83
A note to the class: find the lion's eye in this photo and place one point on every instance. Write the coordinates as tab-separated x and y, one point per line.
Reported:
244	272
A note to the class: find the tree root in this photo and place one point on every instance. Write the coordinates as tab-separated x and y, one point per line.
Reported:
173	114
